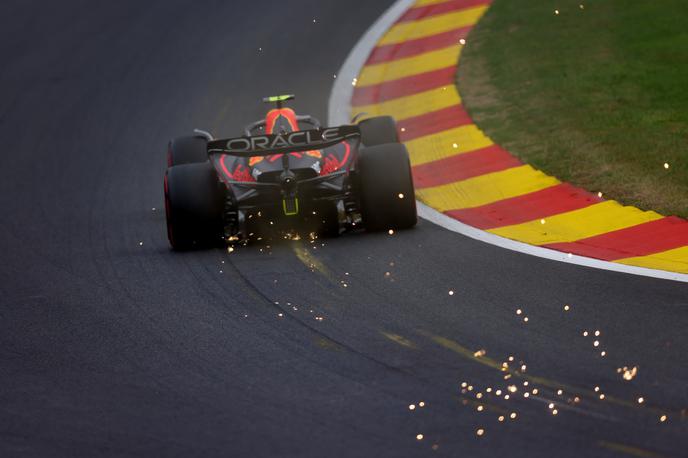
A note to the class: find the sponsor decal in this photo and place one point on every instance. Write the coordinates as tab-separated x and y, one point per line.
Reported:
303	140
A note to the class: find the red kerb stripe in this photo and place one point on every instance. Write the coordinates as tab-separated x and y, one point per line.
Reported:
641	240
403	86
421	12
412	48
528	207
433	122
463	166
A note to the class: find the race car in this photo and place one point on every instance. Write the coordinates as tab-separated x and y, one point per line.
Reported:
287	174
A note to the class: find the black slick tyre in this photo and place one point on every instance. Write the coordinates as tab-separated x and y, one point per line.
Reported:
386	188
187	150
378	131
193	206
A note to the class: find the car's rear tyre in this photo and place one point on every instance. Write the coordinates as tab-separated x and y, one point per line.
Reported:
386	188
193	206
378	131
187	150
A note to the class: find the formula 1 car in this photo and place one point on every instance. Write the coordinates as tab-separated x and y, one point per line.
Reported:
287	173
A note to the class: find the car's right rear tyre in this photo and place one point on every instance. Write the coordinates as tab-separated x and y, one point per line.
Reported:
187	150
193	206
386	188
379	130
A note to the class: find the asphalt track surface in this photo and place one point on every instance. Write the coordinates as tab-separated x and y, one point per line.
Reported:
112	345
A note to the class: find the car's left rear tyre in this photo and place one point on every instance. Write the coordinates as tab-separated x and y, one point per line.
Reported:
193	206
187	150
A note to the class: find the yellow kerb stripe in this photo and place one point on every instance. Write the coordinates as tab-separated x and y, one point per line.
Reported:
441	145
433	25
675	260
566	227
578	224
485	189
427	62
428	2
412	105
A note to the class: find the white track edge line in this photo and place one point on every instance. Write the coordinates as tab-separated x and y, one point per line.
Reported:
339	110
339	105
454	225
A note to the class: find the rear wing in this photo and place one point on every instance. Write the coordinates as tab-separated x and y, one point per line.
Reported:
266	145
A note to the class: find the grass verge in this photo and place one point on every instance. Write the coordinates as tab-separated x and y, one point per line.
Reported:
596	95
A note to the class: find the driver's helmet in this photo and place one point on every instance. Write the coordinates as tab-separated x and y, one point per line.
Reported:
281	120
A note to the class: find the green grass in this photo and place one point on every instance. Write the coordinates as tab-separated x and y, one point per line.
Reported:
595	96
